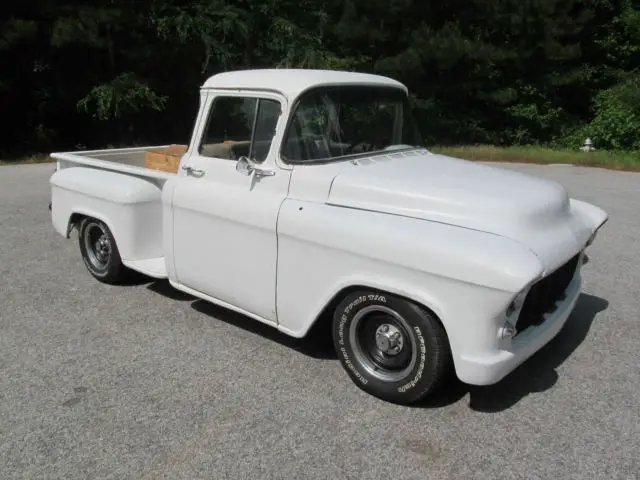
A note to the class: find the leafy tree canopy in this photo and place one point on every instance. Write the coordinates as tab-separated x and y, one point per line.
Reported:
106	72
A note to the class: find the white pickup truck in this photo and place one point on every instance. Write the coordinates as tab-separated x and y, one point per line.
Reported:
308	196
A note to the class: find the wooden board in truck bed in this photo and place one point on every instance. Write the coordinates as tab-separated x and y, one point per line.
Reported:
166	159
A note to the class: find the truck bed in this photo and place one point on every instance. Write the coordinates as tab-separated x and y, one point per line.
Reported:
126	160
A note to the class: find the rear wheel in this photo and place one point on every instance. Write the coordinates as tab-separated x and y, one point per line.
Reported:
99	251
390	347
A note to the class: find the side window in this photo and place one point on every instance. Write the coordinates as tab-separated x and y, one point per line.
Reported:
240	126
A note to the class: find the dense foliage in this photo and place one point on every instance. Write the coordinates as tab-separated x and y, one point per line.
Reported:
92	73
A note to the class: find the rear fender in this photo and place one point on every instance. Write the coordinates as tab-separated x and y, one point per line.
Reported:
130	206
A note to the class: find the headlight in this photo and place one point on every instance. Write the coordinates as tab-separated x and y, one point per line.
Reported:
508	330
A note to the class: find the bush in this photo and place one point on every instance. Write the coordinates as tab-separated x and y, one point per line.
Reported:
616	124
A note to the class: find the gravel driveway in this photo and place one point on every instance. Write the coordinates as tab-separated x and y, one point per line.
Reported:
140	381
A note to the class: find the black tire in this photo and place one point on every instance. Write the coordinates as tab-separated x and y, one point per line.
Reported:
100	252
399	369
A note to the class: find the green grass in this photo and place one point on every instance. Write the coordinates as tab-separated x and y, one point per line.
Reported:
41	158
600	158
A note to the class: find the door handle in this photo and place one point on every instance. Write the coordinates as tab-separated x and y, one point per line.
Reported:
196	172
263	172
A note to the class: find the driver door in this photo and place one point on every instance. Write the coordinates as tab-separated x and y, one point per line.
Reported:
224	233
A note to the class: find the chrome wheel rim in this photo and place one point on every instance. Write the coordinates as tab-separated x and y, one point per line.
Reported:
382	343
97	246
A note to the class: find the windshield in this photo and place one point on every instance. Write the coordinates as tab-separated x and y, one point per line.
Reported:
331	122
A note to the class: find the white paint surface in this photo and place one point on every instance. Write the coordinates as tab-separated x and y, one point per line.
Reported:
458	237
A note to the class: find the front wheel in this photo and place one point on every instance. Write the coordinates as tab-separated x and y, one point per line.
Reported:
390	347
99	251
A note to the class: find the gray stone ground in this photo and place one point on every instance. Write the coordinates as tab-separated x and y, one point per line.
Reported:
142	382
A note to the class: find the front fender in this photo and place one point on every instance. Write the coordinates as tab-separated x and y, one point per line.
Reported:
442	267
590	217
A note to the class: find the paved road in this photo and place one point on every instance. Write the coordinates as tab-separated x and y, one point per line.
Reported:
141	382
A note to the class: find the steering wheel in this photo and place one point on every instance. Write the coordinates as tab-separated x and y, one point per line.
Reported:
366	147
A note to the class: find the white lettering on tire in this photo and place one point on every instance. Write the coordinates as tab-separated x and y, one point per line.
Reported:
422	360
352	368
343	321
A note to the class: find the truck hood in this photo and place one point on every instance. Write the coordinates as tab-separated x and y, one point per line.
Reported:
528	209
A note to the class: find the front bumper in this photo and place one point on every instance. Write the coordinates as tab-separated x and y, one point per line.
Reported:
492	367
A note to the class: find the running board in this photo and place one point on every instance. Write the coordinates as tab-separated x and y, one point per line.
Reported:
152	267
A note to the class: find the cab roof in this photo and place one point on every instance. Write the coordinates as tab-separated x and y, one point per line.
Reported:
291	82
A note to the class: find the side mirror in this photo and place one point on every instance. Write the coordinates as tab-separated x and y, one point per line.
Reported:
244	166
247	167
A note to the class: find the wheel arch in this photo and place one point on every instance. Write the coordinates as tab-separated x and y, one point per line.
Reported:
78	214
328	306
74	222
